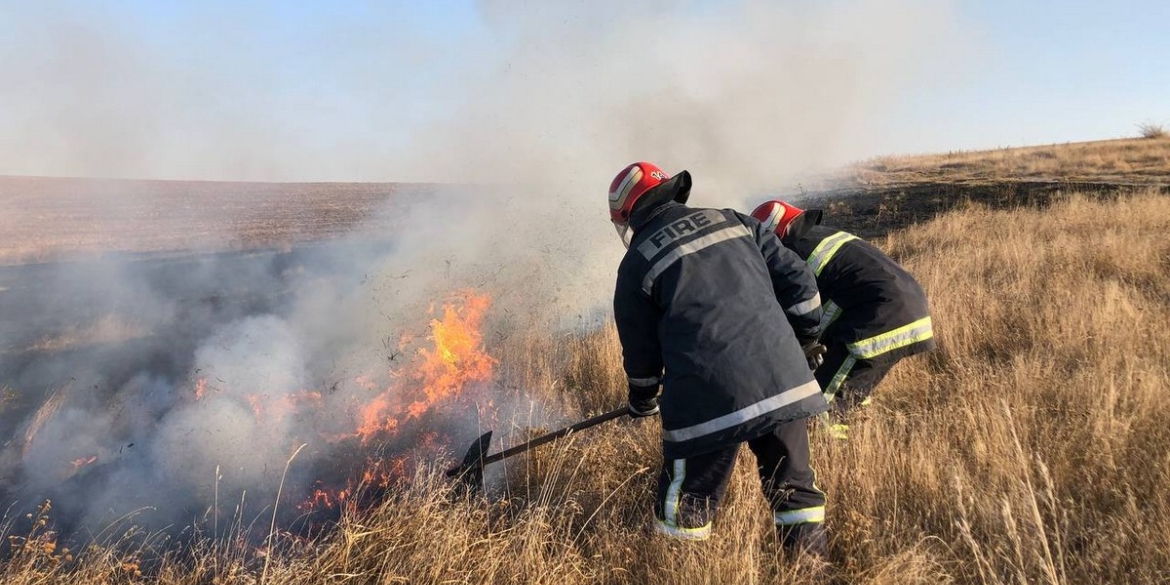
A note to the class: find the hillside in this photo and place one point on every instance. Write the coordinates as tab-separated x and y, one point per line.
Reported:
1031	447
1129	161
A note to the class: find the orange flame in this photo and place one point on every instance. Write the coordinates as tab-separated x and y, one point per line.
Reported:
372	419
325	498
82	462
437	375
458	356
440	373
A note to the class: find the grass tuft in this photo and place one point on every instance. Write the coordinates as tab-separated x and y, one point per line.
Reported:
1151	130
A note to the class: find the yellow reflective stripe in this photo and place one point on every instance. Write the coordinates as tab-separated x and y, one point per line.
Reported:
920	330
839	377
674	493
700	533
832	430
802	516
826	250
831	312
669	523
814	479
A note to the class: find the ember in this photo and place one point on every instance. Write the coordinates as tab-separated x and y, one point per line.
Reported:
82	462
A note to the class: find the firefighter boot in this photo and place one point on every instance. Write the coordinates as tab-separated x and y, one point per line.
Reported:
808	537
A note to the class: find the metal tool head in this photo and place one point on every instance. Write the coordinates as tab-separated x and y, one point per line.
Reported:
470	471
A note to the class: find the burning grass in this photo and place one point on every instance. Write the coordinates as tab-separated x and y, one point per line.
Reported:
1031	447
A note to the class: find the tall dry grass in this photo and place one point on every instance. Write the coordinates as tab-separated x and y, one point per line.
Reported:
1032	447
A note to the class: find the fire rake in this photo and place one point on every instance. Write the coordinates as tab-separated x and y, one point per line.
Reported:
470	471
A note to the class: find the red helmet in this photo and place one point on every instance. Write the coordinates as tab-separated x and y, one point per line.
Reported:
625	190
777	215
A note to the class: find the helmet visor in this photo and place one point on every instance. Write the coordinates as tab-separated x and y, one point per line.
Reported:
623	231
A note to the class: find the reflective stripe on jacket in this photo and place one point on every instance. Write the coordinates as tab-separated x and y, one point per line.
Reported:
871	304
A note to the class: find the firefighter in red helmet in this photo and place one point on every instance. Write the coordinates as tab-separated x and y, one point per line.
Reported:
711	308
875	312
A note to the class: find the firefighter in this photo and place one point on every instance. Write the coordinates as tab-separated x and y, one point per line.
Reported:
713	309
875	313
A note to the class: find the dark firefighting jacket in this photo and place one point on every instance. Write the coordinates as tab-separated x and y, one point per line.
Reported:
710	305
872	305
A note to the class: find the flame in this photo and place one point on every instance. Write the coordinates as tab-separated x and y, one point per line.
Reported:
325	498
256	403
372	419
429	373
82	462
440	373
378	473
437	375
458	356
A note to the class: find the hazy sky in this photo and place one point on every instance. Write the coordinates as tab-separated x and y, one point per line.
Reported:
352	89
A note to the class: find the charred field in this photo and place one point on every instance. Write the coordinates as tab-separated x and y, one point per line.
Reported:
221	383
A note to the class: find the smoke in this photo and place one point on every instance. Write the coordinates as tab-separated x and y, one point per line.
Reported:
533	109
748	95
170	383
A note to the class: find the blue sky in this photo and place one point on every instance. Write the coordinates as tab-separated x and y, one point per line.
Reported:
287	90
1054	71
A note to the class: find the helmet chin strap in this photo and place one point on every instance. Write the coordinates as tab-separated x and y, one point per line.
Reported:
624	233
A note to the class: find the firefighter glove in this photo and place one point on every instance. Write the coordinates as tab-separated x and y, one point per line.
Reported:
643	401
814	352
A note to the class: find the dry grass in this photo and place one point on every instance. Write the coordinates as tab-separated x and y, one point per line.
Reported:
1129	161
1032	447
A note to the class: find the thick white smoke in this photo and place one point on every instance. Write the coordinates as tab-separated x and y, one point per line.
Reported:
540	106
747	95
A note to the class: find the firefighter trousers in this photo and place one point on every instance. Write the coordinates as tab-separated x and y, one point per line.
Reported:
689	490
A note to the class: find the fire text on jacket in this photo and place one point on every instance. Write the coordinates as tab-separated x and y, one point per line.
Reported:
679	229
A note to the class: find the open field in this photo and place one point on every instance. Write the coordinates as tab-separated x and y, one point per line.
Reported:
53	218
1031	447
